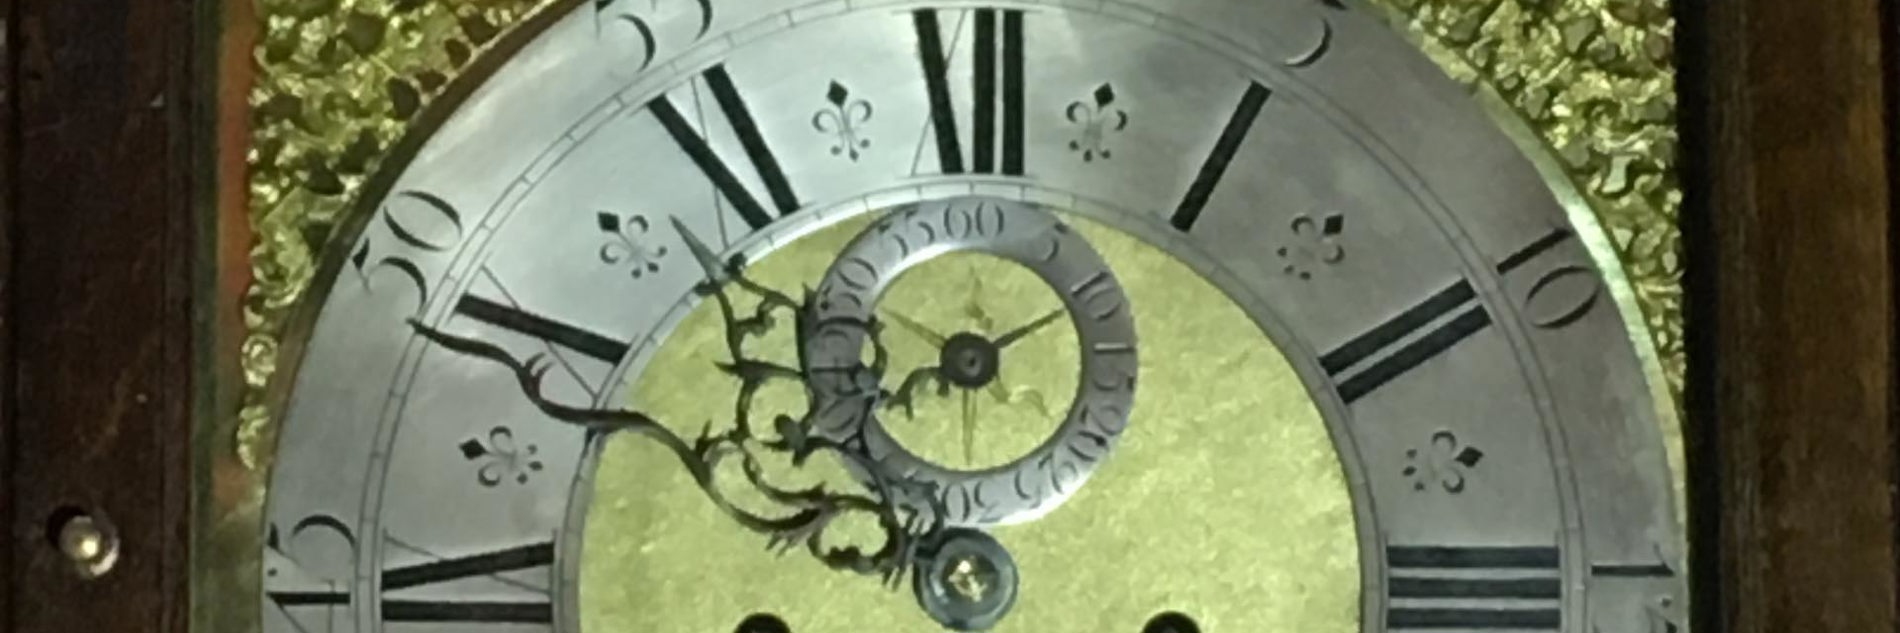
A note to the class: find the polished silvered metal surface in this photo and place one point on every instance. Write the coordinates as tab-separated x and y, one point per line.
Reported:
1498	437
1035	483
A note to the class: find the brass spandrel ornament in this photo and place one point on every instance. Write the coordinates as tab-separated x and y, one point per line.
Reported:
433	175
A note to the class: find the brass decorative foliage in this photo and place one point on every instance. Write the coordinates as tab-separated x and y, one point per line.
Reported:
1595	81
340	81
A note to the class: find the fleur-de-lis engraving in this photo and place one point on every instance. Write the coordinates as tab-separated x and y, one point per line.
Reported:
1445	463
842	119
1315	243
501	459
628	242
1097	117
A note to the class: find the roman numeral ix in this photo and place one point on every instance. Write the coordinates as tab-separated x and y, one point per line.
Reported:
1420	333
993	84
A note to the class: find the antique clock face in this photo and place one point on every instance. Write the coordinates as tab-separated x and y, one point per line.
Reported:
1041	315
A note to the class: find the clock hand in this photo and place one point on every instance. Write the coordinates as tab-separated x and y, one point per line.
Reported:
1030	328
973	308
969	427
715	271
922	331
905	395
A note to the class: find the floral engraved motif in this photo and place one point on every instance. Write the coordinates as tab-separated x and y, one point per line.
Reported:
501	459
1097	117
1444	464
842	119
1315	243
628	242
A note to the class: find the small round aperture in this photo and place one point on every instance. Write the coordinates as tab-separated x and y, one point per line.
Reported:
1171	622
762	623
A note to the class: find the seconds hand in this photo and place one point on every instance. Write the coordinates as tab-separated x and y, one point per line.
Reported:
959	363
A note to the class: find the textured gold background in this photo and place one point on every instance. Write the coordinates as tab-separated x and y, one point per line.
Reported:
340	82
1224	500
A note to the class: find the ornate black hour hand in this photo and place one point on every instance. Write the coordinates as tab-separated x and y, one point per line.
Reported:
905	396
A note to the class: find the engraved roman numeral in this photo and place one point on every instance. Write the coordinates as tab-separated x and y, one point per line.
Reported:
1420	333
739	117
1473	587
1639	570
483	565
509	317
1354	381
1215	167
985	88
297	608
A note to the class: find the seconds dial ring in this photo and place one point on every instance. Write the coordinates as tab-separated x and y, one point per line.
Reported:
1033	484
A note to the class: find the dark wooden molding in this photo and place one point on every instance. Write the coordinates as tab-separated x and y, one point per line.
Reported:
8	176
1789	223
99	297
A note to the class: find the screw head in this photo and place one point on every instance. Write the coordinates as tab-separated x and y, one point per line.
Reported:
89	543
967	582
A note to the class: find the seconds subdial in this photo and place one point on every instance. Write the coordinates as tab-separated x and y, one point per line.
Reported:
1034	483
968	367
